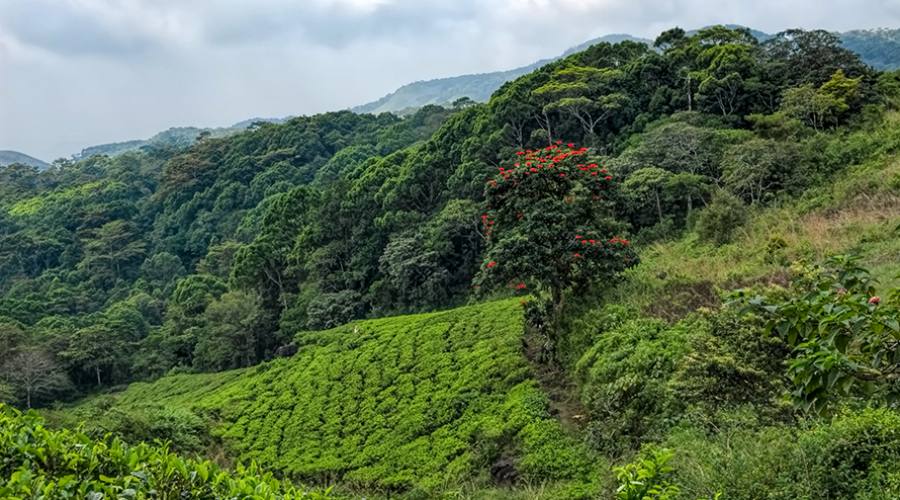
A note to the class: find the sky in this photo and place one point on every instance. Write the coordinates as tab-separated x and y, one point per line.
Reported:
76	73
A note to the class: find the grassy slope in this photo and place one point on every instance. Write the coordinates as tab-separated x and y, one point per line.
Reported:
429	402
858	211
424	402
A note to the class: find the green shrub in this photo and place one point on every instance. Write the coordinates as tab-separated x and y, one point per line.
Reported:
647	477
39	463
843	336
179	428
854	456
643	376
724	215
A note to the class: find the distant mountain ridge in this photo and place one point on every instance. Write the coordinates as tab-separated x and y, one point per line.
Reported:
478	87
173	137
10	157
879	48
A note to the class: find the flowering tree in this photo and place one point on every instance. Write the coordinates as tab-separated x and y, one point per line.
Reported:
547	225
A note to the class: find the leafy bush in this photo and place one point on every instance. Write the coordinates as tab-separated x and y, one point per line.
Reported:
181	429
854	456
844	337
647	477
39	463
725	214
643	376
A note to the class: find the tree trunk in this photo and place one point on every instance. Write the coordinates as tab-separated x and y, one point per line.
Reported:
28	397
97	371
690	94
658	206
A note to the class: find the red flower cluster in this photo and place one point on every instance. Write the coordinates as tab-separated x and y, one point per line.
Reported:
491	264
535	161
619	241
488	224
875	300
587	241
521	286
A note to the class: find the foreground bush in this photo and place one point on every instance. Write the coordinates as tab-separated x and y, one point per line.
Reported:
39	463
854	456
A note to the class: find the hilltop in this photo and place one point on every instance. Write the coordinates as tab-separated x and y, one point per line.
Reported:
10	157
879	48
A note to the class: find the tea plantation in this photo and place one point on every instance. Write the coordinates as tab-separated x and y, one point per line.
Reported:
39	463
396	404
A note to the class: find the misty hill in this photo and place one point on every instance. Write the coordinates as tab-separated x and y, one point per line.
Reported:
175	137
10	157
878	48
478	87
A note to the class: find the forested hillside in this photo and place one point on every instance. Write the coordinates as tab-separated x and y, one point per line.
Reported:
877	48
703	236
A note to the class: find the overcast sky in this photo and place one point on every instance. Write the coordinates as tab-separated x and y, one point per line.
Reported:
75	73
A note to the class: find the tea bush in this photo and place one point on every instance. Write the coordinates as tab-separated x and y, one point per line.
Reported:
39	463
391	405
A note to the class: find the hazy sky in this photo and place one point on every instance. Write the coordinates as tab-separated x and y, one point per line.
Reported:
75	73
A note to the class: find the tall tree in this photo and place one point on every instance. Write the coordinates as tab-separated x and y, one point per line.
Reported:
34	373
549	227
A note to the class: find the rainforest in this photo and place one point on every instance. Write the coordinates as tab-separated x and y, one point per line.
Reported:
664	270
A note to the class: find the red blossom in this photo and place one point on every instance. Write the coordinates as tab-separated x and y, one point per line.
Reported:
875	300
491	264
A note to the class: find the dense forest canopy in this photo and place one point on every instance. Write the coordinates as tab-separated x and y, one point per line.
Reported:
122	268
223	254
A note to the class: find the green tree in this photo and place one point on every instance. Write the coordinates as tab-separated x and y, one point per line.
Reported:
648	183
230	336
111	251
549	228
33	373
757	169
590	95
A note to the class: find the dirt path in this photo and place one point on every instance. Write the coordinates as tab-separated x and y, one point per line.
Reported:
555	382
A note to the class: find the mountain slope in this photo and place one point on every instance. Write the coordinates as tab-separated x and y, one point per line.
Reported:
878	48
10	157
178	137
478	87
390	404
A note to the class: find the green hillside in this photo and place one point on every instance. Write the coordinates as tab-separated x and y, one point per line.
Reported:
705	236
426	402
878	48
